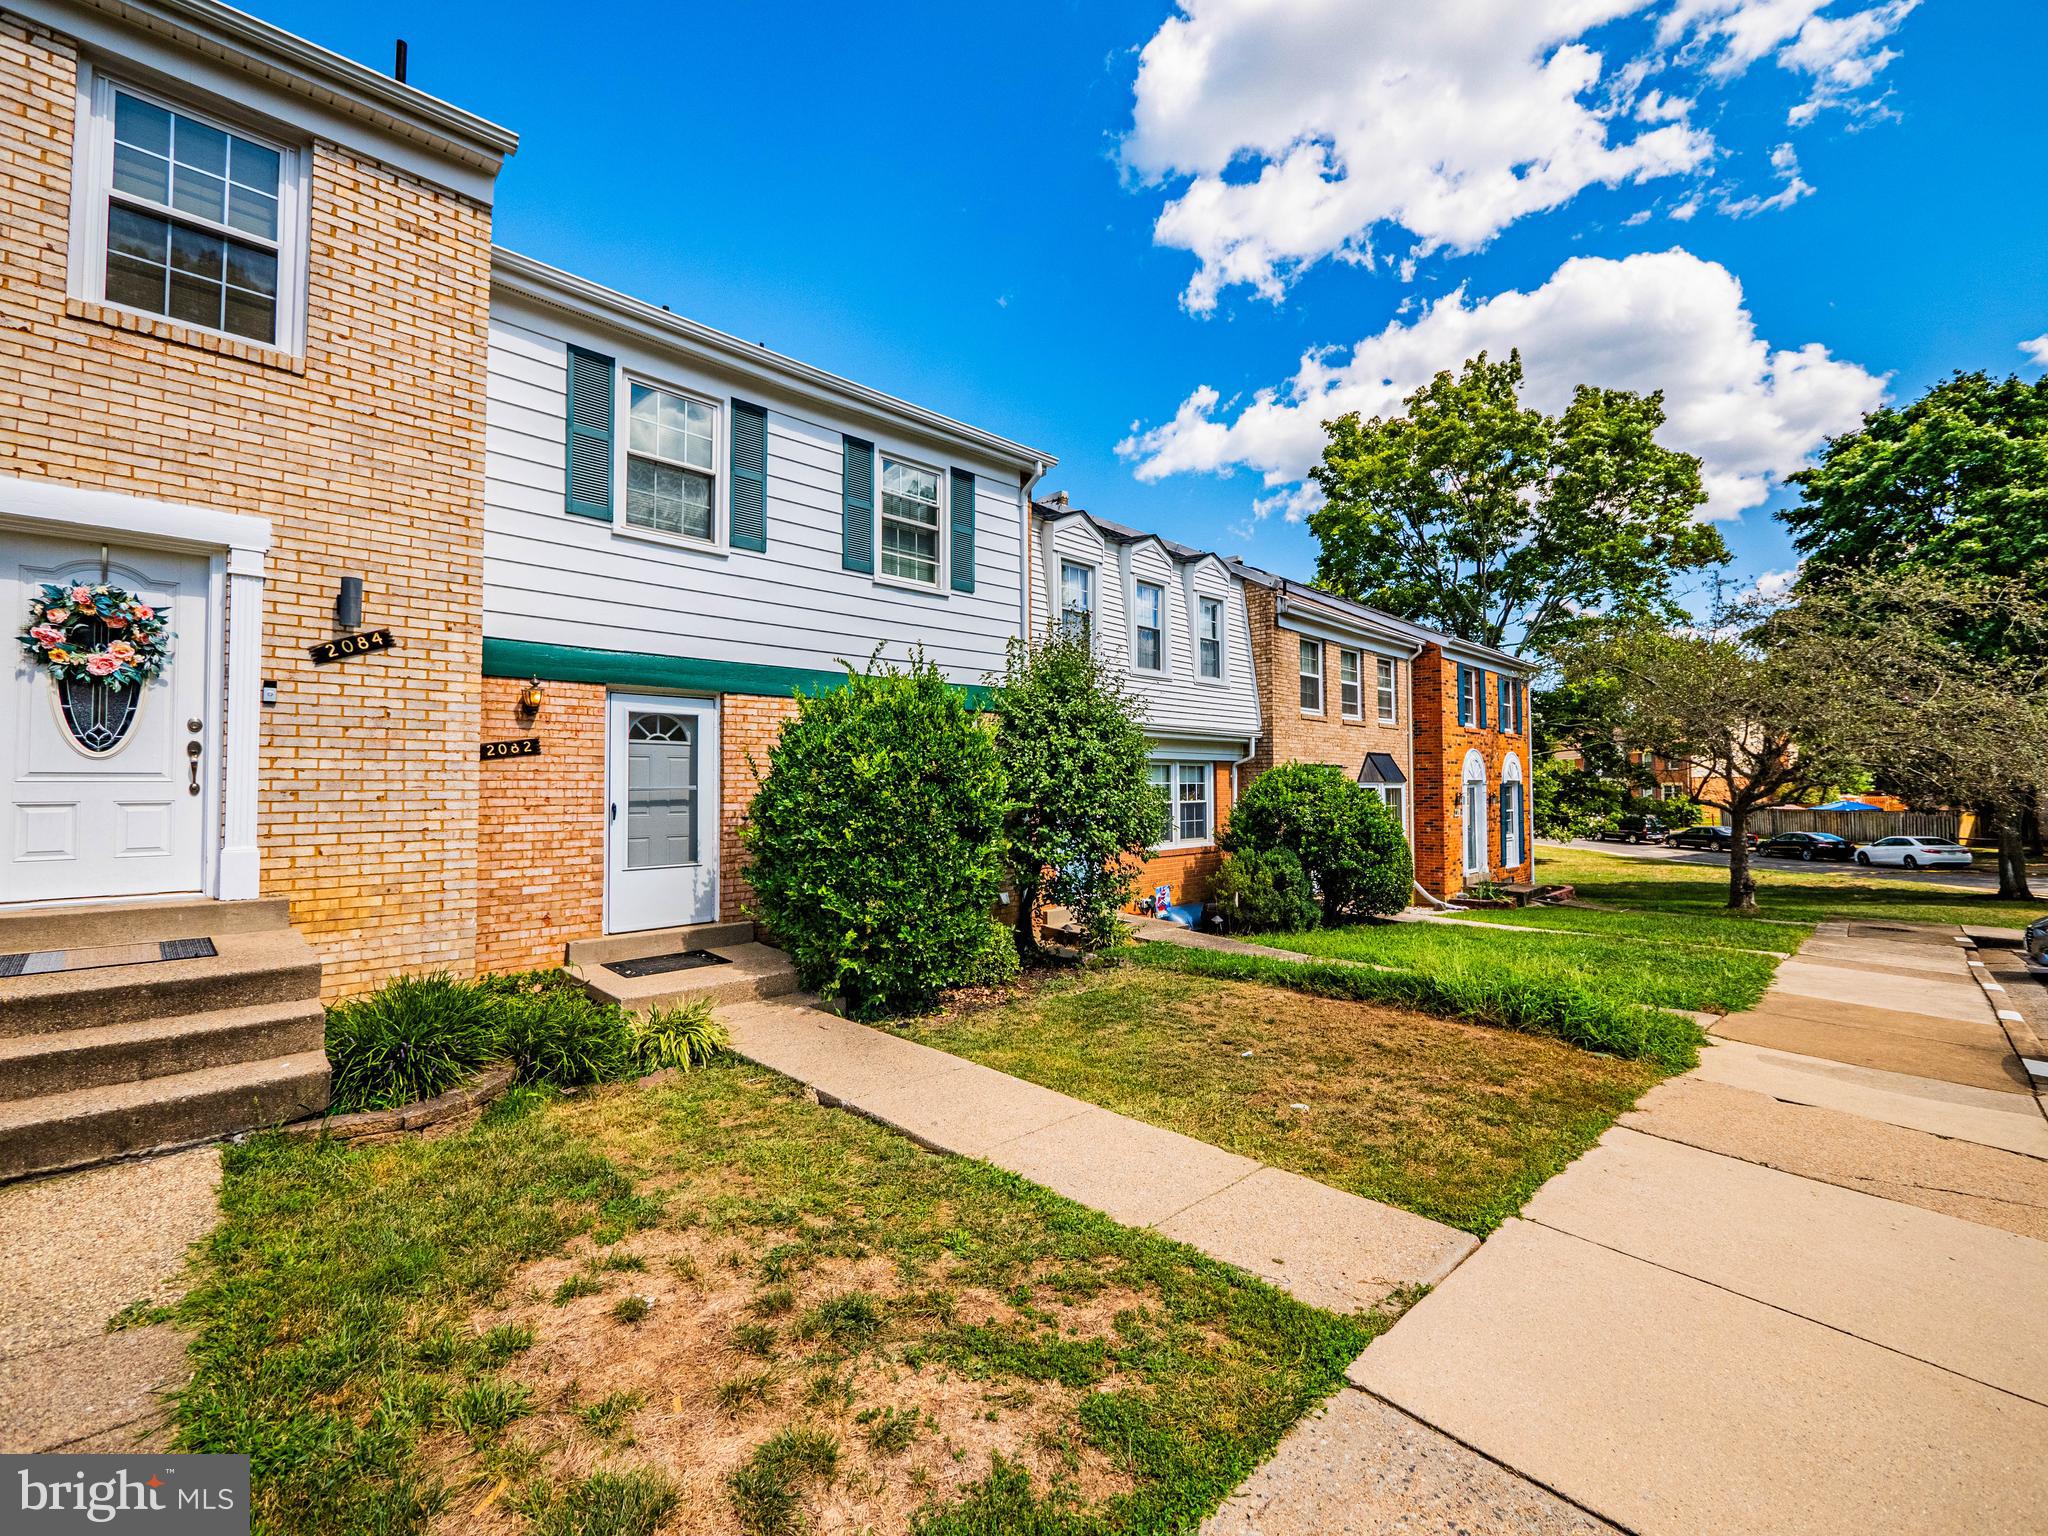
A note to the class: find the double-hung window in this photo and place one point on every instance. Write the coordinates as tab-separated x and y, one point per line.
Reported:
1351	684
1209	636
1148	619
1185	790
910	522
671	463
1077	598
1389	699
1464	695
1312	677
1394	796
189	220
1505	702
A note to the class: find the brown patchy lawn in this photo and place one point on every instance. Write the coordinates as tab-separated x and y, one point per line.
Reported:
1454	1121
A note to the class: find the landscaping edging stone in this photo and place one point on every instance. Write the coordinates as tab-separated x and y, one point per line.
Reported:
382	1124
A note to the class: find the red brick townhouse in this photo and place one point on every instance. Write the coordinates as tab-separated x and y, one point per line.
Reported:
1176	621
1472	767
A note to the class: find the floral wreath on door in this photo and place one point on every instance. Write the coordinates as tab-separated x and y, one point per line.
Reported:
95	634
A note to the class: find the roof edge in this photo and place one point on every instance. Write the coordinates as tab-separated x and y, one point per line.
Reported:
538	282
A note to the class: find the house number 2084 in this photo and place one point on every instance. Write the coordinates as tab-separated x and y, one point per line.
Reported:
351	645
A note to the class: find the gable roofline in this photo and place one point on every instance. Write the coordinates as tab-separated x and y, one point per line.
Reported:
536	282
1344	607
1118	533
300	68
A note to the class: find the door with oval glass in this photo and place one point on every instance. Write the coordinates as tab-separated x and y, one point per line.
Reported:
105	784
661	860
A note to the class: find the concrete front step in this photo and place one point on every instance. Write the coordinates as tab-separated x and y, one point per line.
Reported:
658	941
32	928
276	966
89	1125
754	970
62	1061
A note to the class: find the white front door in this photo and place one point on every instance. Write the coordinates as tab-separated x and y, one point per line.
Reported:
105	790
661	859
1475	826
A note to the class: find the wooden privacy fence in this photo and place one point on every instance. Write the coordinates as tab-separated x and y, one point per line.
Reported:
1858	826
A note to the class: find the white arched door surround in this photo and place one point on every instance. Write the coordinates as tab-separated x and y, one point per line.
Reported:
1472	808
1514	813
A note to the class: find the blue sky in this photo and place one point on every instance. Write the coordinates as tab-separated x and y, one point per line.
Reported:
963	205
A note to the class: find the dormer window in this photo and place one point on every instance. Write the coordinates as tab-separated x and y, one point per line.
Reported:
1077	598
1149	624
189	220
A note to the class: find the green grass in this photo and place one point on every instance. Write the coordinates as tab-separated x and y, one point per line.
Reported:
1802	893
1685	930
336	1341
1457	1122
1622	971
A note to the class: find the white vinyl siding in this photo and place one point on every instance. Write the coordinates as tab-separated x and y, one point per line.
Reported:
576	581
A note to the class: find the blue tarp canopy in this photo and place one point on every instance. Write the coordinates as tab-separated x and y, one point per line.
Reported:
1848	805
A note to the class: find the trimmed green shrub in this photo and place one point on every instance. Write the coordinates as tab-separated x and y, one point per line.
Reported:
1082	812
682	1037
877	840
1348	841
998	964
1566	1011
1263	890
414	1038
568	1038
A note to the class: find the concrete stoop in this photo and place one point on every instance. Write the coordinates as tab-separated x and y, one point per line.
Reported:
124	1059
751	969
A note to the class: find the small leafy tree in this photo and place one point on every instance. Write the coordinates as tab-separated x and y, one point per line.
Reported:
1348	841
1081	811
877	840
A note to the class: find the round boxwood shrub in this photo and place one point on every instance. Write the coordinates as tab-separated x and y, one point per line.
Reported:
1346	839
877	840
1263	890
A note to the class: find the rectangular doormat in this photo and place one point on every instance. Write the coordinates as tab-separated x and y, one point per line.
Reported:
43	962
660	965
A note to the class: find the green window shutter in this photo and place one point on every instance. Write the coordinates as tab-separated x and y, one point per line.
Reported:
749	476
1479	698
591	404
1464	695
857	508
963	530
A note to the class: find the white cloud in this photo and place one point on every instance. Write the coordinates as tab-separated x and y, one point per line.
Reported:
1791	188
1772	585
1665	320
1289	132
2037	349
1449	120
1685	210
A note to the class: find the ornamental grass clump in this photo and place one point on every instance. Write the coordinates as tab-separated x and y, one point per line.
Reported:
414	1038
681	1037
877	840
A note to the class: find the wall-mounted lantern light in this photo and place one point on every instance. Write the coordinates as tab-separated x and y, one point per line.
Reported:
348	603
529	699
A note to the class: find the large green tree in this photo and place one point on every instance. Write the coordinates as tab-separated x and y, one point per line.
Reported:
1954	484
1497	523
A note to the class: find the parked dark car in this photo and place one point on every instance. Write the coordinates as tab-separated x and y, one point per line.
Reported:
2035	945
1806	845
1713	839
1631	829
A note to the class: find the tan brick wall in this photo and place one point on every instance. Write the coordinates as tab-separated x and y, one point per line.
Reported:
1294	736
1440	747
366	455
748	727
540	833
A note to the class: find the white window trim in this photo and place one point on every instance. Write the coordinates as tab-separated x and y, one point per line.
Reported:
1380	792
1174	766
1357	656
92	180
1387	700
1059	595
1322	682
1222	676
942	583
1131	607
1471	775
623	380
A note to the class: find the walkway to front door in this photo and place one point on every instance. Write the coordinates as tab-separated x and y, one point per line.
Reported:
104	796
661	858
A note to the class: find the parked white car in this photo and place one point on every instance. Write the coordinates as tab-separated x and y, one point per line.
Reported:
1915	853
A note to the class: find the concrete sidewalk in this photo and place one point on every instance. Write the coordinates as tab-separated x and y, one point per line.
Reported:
1329	1248
1794	1291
